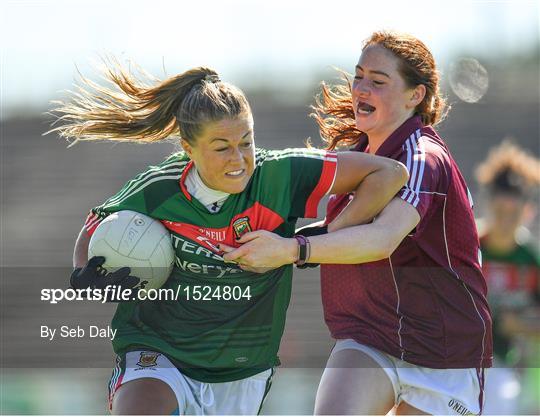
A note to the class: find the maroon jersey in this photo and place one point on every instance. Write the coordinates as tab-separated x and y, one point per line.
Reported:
426	304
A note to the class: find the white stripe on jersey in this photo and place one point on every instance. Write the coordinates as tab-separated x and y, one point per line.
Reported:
416	159
90	219
407	191
422	156
152	172
116	373
301	152
398	313
90	225
142	186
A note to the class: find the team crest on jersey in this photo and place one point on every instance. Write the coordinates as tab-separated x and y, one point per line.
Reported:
148	359
241	226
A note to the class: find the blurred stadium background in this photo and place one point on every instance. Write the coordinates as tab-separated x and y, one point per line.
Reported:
47	189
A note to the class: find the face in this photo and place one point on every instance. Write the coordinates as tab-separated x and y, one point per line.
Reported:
382	101
224	153
506	212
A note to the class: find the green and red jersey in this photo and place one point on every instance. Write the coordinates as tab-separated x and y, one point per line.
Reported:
513	280
219	340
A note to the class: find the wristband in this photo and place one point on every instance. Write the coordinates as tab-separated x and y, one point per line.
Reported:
304	250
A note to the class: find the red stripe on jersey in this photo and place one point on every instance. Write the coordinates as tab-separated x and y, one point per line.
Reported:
91	223
183	180
257	217
325	182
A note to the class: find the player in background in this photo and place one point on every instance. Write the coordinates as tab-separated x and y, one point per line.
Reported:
212	356
511	264
404	296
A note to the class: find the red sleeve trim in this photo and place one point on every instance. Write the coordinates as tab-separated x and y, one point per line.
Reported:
91	223
328	175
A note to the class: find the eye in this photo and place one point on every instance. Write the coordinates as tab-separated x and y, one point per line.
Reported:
378	82
220	149
247	145
358	77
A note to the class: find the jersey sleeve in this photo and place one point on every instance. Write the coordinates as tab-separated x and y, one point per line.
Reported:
426	175
134	195
295	180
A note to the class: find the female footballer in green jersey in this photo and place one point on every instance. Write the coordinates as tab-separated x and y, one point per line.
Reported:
511	264
217	356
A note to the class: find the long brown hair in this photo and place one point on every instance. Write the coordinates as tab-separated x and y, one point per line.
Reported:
132	109
333	109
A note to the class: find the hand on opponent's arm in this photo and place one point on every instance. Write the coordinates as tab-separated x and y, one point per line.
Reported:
352	245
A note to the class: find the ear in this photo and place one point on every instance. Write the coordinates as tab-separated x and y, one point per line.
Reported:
187	148
417	96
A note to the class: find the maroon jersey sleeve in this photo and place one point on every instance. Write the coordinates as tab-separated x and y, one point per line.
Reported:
427	177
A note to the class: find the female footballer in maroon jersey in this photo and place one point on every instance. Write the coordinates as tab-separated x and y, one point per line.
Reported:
404	295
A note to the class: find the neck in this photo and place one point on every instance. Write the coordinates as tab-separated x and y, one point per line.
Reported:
376	139
500	241
375	143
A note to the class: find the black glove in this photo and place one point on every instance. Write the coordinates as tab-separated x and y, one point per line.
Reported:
307	231
94	276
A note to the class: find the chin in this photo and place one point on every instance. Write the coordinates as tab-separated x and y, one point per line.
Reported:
236	188
363	125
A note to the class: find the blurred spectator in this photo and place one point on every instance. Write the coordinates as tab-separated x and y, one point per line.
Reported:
510	178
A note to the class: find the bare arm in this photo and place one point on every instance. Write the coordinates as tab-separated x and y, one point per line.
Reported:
366	243
357	244
80	252
375	181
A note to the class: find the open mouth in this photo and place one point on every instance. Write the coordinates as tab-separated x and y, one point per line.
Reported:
236	173
364	108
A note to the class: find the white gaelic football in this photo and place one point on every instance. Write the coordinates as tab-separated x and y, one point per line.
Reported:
128	238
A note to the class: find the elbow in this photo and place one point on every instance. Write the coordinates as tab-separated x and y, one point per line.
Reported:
384	249
390	248
402	175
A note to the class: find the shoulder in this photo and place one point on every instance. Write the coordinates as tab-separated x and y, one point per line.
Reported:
424	151
162	178
529	247
264	156
174	159
170	168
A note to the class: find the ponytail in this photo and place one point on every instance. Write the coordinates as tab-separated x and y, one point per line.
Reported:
134	111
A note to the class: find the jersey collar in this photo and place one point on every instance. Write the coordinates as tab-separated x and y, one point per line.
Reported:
183	180
395	140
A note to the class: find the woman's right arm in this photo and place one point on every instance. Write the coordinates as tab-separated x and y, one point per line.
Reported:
80	252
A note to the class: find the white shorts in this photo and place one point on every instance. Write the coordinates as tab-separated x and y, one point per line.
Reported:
434	391
242	397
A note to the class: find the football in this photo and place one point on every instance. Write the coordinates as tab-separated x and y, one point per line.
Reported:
128	238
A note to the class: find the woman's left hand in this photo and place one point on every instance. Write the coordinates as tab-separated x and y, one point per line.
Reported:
261	250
